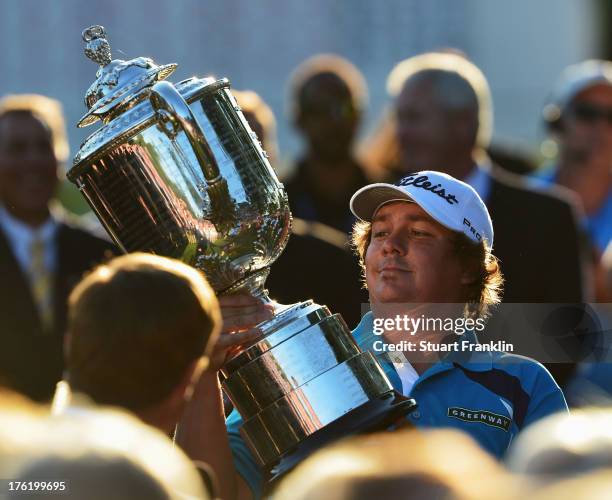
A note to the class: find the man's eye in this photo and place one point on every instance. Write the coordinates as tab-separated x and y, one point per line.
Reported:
379	234
416	232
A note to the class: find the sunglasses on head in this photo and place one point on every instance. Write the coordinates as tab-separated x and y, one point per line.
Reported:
591	113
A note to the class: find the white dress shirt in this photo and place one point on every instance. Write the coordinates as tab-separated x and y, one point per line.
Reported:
20	237
406	372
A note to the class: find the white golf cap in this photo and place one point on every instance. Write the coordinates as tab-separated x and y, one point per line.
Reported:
449	201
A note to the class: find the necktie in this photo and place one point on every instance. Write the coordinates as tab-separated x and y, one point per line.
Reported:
41	283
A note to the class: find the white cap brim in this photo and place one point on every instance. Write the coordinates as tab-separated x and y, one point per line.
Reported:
367	200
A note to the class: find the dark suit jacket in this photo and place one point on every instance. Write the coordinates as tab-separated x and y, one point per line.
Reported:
313	266
31	360
537	240
542	254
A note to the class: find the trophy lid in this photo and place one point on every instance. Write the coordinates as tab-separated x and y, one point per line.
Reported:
117	80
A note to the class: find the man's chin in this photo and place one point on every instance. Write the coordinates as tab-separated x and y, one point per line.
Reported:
390	299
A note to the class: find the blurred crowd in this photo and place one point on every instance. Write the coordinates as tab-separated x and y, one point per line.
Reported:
108	363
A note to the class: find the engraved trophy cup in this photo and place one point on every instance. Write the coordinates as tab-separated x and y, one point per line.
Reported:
176	170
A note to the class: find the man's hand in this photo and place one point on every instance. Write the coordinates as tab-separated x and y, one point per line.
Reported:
241	313
201	432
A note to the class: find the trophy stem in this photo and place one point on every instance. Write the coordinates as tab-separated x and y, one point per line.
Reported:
253	284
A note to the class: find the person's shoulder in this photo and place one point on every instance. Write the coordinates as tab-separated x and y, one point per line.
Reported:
85	228
85	237
523	191
522	367
80	239
533	385
507	360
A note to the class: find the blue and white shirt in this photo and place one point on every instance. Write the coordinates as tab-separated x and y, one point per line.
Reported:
490	395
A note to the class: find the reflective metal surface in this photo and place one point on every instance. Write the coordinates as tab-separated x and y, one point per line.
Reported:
290	364
307	409
285	324
176	170
117	81
218	207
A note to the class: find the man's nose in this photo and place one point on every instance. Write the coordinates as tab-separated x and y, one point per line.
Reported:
395	243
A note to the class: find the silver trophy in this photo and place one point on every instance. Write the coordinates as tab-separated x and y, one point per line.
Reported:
176	170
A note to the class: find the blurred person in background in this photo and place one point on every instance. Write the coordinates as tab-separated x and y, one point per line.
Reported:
433	464
327	97
141	330
563	446
94	455
579	118
43	251
381	153
594	486
295	275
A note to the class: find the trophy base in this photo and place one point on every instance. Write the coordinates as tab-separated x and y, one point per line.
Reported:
306	383
373	416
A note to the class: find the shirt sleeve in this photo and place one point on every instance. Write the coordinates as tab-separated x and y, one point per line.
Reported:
244	461
546	396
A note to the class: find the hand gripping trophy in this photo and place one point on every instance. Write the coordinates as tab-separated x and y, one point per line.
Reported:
176	170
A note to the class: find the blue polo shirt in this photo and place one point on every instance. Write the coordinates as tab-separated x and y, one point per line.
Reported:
490	395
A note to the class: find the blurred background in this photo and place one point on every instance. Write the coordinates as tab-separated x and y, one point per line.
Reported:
521	46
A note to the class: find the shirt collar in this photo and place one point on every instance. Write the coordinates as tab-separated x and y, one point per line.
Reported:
17	230
473	360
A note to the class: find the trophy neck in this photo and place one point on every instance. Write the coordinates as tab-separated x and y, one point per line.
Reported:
253	285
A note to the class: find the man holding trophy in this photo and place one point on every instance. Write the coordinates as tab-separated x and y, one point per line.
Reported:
418	251
176	170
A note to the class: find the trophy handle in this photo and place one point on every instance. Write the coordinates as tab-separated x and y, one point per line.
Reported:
172	109
169	105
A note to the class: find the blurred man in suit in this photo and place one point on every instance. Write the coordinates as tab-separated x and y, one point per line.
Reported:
579	118
42	255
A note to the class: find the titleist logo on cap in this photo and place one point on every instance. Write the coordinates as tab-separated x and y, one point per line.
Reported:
422	181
